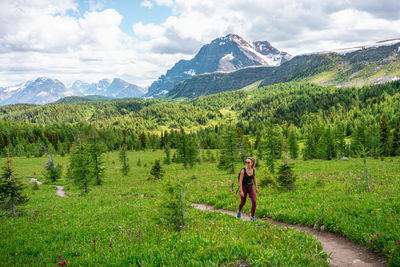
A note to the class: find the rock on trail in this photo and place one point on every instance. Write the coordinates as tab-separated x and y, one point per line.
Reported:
60	191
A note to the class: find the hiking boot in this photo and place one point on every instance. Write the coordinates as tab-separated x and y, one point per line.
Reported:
253	219
238	215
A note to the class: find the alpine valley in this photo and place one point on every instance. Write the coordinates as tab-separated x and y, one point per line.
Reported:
323	127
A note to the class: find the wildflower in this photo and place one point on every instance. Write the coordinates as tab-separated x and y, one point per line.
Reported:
395	244
59	256
377	234
111	245
139	233
371	240
94	241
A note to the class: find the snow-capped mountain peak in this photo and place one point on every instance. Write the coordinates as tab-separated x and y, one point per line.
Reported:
223	54
40	91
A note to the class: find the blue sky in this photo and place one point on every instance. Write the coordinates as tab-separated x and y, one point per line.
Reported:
139	40
131	10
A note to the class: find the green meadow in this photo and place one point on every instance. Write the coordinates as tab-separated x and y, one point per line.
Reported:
121	222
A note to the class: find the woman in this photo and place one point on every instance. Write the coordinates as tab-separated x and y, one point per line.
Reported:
247	178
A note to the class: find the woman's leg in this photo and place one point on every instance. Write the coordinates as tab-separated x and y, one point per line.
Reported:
253	197
243	199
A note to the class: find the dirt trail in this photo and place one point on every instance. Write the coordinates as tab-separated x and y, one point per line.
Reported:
344	252
33	180
60	189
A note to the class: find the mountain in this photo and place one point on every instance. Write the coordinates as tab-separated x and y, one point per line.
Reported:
364	65
223	54
206	84
40	91
116	88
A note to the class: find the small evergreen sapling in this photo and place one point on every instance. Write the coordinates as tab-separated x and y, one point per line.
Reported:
124	160
286	177
156	170
174	208
11	189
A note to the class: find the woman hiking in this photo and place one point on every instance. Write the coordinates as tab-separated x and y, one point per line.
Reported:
246	180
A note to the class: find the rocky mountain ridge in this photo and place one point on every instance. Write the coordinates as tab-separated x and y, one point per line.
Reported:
365	65
45	90
225	54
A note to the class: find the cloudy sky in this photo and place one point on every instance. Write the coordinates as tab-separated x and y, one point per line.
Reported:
138	40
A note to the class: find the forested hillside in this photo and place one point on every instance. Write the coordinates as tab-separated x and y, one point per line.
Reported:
323	118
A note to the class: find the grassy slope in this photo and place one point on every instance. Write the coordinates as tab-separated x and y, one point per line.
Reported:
115	212
369	74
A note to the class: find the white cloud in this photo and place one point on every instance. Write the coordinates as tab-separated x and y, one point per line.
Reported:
50	37
95	5
164	2
294	26
147	3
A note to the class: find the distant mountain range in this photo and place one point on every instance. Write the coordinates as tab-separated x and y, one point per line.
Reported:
116	88
223	54
44	90
230	63
40	91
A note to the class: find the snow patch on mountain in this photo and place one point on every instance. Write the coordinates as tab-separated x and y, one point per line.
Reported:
43	93
228	57
190	72
344	51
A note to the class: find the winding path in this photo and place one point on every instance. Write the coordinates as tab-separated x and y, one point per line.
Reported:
344	252
60	189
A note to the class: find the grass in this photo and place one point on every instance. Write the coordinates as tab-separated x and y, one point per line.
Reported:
118	223
333	194
252	87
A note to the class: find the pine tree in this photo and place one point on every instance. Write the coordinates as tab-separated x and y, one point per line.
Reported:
329	144
143	140
271	147
384	133
192	152
52	171
286	177
229	150
124	160
293	144
340	139
183	142
156	170
396	140
96	150
11	189
167	151
80	163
